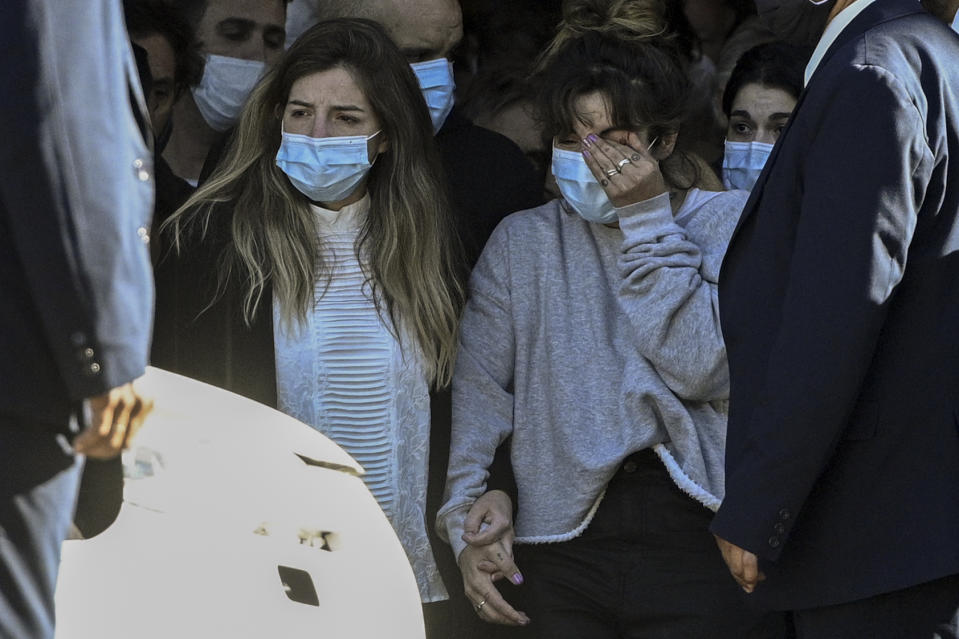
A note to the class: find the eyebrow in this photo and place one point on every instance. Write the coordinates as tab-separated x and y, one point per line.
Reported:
273	30
783	115
335	107
236	22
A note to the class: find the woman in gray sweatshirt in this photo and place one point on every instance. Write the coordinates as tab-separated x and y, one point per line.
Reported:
592	337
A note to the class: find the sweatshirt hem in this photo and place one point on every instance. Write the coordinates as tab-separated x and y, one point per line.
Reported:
684	482
573	534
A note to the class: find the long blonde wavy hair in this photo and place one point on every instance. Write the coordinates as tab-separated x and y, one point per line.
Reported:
413	269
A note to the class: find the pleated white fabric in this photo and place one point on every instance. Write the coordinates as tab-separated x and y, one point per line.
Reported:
344	373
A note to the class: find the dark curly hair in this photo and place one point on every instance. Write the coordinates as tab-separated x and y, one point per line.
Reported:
774	64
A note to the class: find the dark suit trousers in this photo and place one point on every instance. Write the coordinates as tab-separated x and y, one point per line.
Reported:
645	568
926	611
38	485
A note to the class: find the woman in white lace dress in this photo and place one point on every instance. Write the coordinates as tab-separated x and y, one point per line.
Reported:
315	271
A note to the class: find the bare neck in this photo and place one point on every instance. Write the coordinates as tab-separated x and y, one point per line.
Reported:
836	8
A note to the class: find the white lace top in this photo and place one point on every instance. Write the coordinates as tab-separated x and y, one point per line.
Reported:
344	373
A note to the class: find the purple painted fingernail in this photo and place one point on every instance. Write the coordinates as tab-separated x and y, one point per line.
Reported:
592	138
586	154
516	578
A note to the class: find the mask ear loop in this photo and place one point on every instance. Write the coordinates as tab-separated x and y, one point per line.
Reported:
368	153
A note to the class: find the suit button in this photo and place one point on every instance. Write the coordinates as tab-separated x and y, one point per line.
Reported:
774	541
87	353
142	174
779	528
92	369
629	467
784	514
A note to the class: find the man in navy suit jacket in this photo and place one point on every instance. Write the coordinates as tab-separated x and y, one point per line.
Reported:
839	299
75	283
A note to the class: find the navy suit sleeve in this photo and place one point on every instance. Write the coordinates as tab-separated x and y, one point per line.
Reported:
75	192
862	183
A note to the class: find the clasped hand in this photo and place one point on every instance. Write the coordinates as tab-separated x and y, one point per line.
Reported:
489	557
743	565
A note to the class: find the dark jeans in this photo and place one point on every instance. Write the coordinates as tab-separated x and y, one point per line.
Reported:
38	487
646	567
926	611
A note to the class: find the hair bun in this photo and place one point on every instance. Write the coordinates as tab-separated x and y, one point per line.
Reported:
626	19
582	15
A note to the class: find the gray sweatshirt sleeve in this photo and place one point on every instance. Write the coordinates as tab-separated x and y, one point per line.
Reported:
482	387
669	290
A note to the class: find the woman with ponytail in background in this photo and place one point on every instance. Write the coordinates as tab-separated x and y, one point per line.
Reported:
314	270
592	337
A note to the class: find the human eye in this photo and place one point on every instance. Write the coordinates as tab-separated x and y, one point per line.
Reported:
274	37
235	29
567	141
415	55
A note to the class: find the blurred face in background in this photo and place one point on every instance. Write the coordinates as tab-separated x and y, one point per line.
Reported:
247	29
423	29
759	113
757	116
162	61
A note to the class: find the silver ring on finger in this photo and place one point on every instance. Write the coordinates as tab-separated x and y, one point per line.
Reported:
635	157
480	605
622	163
612	172
604	182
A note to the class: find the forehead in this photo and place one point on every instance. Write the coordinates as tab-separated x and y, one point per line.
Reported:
590	112
760	100
424	24
262	12
160	56
333	86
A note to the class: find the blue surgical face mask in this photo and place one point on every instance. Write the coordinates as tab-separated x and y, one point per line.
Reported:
580	189
743	162
324	169
436	83
224	88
